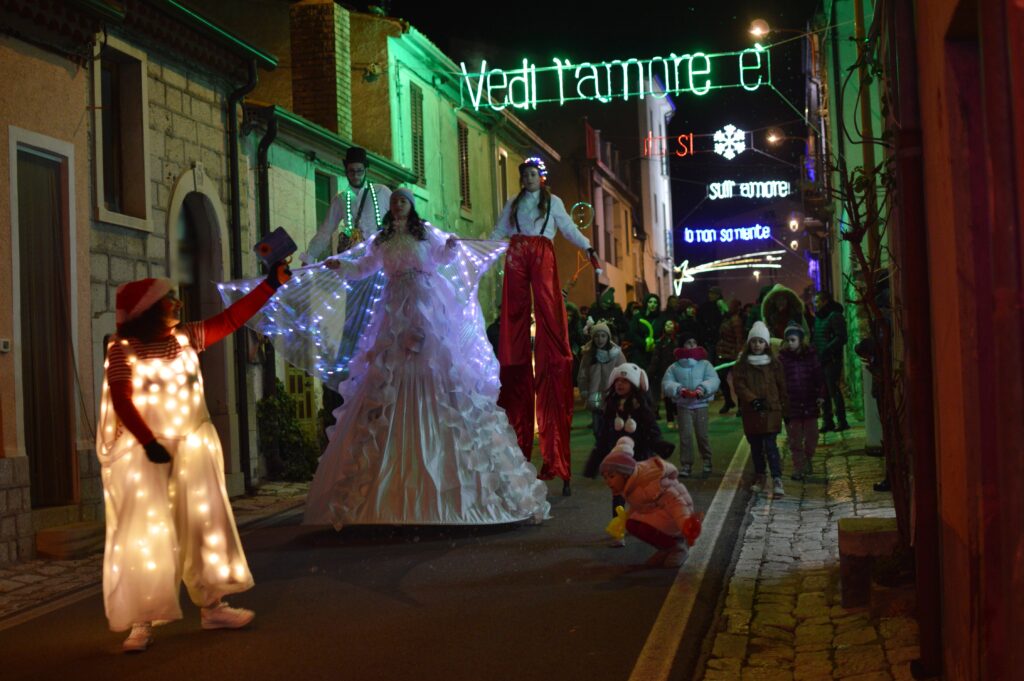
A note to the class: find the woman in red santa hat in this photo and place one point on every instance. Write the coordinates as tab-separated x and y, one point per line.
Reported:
167	511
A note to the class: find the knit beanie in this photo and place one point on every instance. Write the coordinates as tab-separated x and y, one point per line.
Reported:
794	329
136	297
759	330
620	459
406	194
600	326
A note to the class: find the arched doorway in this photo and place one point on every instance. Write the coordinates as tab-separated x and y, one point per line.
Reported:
197	259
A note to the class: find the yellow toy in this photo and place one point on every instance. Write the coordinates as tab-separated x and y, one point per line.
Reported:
617	527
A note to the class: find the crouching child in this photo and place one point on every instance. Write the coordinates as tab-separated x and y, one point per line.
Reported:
660	510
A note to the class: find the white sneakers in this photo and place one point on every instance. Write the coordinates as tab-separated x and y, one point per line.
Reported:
222	616
777	490
139	639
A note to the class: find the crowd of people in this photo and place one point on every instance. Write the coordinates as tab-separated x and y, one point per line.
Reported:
692	352
433	424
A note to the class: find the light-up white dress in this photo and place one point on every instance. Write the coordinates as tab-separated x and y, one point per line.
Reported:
165	522
420	438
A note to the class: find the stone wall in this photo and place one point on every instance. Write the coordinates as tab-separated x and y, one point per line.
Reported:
17	540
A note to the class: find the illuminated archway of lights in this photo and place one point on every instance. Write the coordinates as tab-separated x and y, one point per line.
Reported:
762	260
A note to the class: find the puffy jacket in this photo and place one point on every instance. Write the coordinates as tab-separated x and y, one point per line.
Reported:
657	498
593	375
765	382
731	338
805	383
689	374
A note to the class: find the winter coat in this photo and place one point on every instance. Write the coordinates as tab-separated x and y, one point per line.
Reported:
662	358
731	337
593	375
829	333
688	327
805	383
657	498
766	382
780	308
642	332
606	309
709	319
687	374
647	440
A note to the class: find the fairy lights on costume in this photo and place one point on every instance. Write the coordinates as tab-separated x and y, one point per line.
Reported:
318	320
143	549
349	220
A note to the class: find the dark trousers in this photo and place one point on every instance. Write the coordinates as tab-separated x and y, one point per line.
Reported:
833	372
651	535
762	447
670	409
726	389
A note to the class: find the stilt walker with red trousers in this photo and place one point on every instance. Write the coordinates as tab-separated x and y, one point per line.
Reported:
530	221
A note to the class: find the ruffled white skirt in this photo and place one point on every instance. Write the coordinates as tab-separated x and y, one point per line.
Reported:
420	438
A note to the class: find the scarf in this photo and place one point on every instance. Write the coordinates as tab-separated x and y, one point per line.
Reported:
759	360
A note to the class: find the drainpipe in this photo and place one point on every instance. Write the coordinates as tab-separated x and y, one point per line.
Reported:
840	137
241	383
263	194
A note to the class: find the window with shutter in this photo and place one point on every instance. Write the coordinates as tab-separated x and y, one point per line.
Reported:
464	166
418	157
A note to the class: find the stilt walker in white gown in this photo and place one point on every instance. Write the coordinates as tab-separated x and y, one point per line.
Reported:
167	512
419	439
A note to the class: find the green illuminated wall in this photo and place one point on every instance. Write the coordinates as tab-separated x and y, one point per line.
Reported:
841	14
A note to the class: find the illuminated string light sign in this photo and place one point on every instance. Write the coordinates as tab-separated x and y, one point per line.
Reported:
726	235
698	73
728	142
685	274
755	189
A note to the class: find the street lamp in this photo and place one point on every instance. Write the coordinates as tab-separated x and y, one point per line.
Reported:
775	136
759	29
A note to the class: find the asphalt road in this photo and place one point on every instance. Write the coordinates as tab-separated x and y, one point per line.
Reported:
511	602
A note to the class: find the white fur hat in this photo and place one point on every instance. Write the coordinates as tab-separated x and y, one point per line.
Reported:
759	330
632	373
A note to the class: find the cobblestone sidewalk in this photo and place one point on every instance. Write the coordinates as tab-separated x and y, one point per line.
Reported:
32	583
782	619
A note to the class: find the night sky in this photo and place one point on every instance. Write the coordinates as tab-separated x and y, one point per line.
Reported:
573	30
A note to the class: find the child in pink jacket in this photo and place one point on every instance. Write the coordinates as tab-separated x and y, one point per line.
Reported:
660	508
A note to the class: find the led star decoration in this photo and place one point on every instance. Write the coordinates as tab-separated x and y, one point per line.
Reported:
761	260
730	141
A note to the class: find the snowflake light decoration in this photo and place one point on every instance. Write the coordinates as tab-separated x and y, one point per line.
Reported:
730	141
